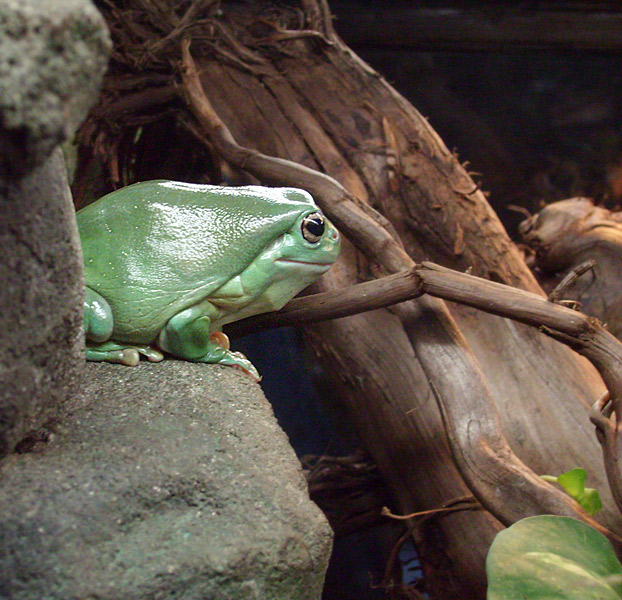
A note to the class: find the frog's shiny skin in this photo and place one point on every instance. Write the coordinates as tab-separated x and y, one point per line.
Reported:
168	263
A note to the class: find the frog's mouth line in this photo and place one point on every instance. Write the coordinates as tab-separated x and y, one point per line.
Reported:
303	262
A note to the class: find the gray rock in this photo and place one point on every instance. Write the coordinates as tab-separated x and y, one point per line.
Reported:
167	481
52	59
41	343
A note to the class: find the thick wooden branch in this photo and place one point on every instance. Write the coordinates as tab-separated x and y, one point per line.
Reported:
513	491
502	300
579	331
428	278
359	298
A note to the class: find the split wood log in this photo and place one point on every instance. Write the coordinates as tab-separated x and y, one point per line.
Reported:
500	481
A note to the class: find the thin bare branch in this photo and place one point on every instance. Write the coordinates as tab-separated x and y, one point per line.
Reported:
186	21
362	297
465	503
339	205
569	279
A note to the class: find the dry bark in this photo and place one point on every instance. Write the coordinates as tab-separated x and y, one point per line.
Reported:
494	474
284	84
348	489
568	233
579	331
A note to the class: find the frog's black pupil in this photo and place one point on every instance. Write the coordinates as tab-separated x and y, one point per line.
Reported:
313	227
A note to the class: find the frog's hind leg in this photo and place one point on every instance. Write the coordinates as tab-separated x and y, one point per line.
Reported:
98	321
125	354
98	324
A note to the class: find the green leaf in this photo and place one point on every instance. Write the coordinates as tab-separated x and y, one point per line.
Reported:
590	501
573	482
552	558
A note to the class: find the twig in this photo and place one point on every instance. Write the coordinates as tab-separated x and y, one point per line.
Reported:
519	209
242	51
281	34
605	421
418	518
186	21
570	278
472	503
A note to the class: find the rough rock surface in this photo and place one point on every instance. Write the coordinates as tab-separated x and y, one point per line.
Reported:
41	343
167	481
52	59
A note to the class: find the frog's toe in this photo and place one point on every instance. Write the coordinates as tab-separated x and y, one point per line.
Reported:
220	338
238	361
122	354
219	355
131	357
117	356
250	372
151	354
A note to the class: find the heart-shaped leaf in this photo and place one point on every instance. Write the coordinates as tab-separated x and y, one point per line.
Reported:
553	558
573	482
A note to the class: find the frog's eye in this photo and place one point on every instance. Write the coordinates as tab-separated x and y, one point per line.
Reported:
312	227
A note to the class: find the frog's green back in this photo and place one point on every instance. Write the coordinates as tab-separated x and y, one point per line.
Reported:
159	246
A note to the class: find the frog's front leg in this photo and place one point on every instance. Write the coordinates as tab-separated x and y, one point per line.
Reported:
98	325
187	335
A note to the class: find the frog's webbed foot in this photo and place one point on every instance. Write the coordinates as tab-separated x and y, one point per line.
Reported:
237	360
187	335
240	361
125	354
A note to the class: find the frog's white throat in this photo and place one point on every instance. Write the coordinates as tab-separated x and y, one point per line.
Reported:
269	297
267	284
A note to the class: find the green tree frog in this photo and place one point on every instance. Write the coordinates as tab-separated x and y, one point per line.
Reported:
167	264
